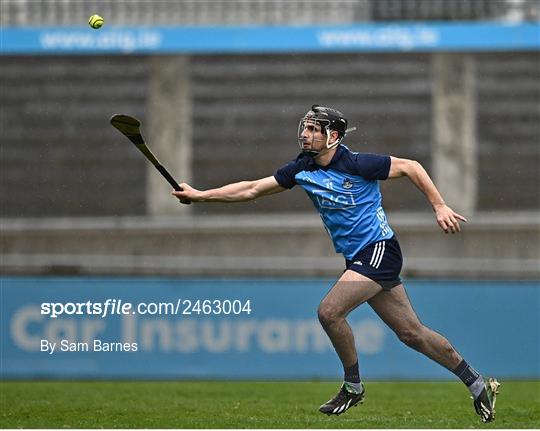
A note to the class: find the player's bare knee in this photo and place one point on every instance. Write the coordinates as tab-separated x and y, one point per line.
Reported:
327	314
412	337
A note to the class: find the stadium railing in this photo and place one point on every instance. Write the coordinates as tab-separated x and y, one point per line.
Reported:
240	12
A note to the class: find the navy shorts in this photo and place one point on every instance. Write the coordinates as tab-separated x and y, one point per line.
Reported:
380	262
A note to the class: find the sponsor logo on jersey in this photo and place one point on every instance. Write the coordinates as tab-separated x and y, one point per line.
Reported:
327	199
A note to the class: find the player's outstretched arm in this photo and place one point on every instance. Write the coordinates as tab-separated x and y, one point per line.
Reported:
235	192
447	218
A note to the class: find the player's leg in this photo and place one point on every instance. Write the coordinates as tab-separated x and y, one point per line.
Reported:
395	309
351	290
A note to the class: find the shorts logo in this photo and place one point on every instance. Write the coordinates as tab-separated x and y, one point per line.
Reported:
347	184
378	254
357	263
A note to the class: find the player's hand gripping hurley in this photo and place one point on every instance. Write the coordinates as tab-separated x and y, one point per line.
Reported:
130	127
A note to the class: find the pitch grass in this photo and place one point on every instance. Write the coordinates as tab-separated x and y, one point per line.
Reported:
255	405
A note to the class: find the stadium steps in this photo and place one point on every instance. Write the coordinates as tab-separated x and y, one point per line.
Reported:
250	107
59	154
246	109
508	130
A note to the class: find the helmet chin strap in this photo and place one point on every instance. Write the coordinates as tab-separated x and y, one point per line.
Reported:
316	154
323	152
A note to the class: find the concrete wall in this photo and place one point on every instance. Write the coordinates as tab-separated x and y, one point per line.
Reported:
277	245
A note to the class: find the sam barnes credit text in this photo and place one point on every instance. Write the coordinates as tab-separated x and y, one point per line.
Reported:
94	346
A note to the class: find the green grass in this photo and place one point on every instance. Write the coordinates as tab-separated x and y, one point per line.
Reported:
255	405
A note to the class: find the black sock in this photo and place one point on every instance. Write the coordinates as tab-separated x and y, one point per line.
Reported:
352	373
466	373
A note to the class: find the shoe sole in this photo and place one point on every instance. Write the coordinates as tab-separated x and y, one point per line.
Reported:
492	385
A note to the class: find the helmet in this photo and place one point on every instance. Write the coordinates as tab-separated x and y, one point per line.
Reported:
329	119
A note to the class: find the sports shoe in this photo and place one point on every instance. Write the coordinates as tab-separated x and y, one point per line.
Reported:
485	403
342	401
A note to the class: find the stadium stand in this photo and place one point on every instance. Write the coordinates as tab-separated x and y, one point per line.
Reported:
243	105
57	149
239	12
453	10
68	207
508	95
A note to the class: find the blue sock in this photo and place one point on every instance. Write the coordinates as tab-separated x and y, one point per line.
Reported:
352	374
472	378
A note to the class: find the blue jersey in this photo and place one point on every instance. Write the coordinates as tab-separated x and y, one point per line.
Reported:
346	194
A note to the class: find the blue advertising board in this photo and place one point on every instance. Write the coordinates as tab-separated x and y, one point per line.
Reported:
163	328
369	37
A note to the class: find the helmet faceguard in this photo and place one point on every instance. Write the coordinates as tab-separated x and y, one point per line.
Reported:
329	120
